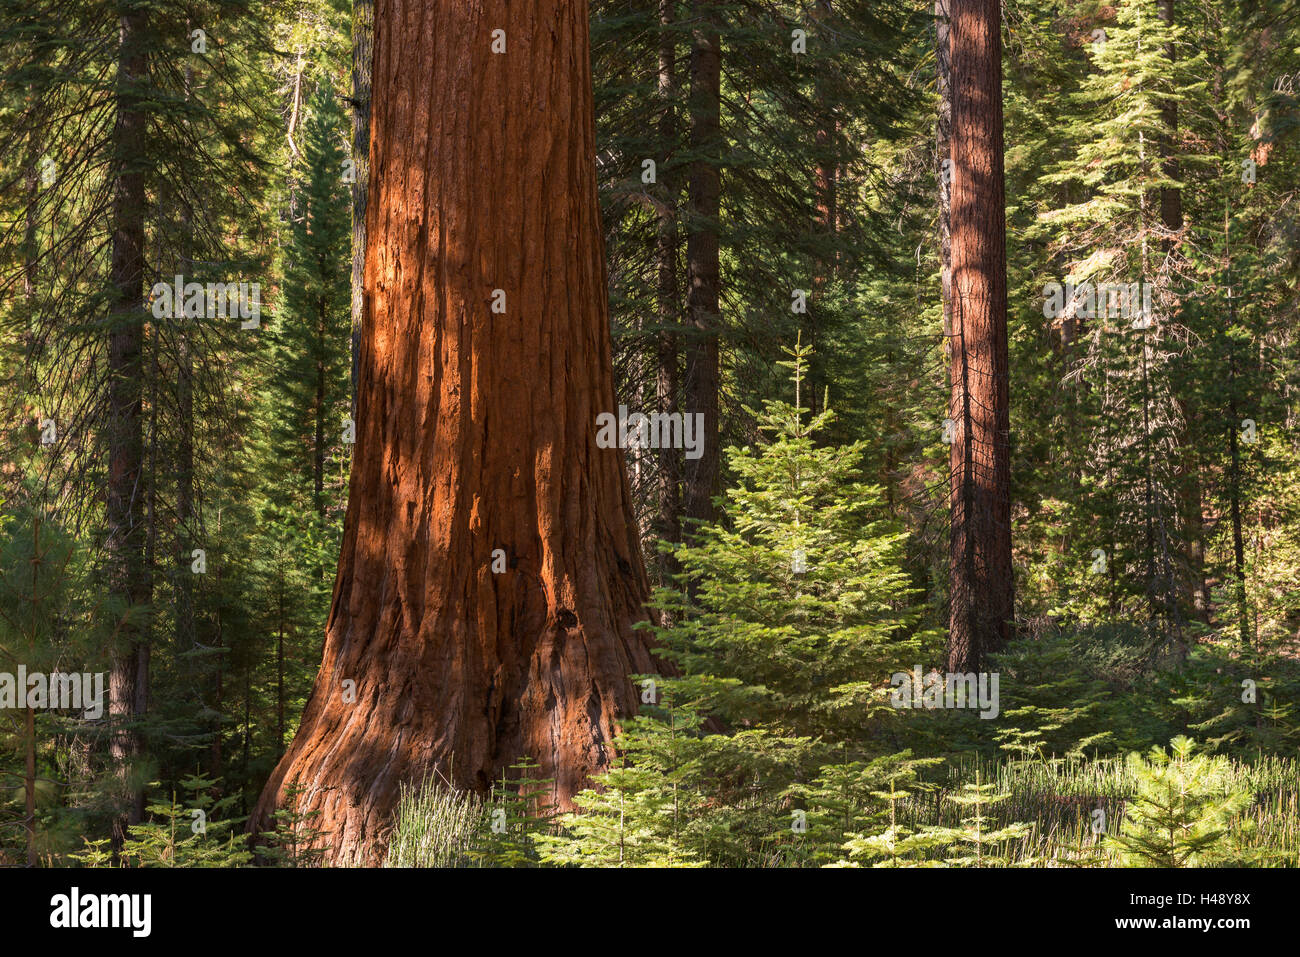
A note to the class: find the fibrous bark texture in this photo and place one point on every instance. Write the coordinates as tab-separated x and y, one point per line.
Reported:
980	545
485	359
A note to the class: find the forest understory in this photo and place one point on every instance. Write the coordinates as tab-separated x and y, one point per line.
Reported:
650	433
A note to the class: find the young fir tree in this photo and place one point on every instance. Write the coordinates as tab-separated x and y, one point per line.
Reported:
1053	705
649	810
629	821
312	357
517	817
1181	814
847	799
1126	470
800	611
979	835
193	833
50	624
295	841
899	845
795	614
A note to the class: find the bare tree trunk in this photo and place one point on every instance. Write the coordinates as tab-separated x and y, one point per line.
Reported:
150	452
1189	486
127	578
981	588
248	721
1238	540
703	376
186	636
476	437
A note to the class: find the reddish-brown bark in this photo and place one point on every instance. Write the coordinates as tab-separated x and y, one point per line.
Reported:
980	545
476	431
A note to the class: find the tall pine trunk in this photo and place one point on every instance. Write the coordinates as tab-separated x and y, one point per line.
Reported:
980	546
476	437
125	544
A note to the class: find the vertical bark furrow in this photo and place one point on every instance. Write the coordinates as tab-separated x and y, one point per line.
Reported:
980	545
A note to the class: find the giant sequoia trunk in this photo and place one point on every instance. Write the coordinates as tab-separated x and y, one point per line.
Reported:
489	578
980	545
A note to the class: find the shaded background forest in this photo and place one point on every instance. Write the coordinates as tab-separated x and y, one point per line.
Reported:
1155	470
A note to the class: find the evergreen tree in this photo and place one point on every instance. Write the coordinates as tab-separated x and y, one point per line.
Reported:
801	611
794	614
898	845
979	839
1109	233
1181	814
312	356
